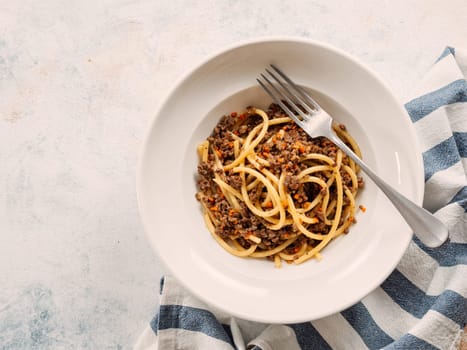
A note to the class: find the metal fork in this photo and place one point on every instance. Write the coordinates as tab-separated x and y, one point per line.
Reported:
315	121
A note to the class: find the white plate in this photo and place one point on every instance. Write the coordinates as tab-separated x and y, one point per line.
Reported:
352	265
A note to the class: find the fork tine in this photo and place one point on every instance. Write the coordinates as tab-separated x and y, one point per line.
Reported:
291	93
278	100
286	97
297	88
283	97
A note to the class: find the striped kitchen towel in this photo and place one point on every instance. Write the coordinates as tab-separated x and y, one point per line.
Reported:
422	305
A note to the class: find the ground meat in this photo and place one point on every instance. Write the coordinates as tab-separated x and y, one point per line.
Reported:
283	148
291	183
235	181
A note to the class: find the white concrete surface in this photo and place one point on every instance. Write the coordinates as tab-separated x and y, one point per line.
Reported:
79	81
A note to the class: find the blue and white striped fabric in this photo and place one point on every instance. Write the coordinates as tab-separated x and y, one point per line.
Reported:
422	305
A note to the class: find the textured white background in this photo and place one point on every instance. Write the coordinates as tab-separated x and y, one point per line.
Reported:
79	81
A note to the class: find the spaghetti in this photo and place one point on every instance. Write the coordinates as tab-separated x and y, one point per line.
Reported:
268	190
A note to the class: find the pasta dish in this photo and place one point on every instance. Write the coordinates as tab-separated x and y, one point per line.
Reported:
268	190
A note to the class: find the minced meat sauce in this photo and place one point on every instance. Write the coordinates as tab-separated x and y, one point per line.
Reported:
283	155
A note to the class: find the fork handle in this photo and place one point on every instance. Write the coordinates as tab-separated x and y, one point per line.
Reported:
429	229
